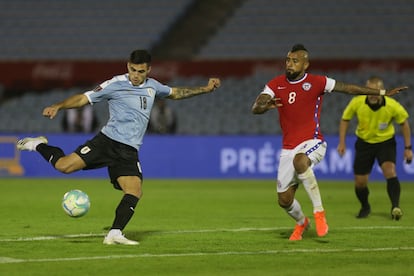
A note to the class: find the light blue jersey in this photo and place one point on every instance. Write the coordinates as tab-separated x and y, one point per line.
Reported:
129	107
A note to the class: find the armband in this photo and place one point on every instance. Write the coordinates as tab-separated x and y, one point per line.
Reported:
408	147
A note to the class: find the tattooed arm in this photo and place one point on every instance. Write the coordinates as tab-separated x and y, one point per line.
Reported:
186	92
362	90
265	102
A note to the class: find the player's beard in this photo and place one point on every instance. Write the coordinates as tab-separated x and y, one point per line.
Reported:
291	75
375	105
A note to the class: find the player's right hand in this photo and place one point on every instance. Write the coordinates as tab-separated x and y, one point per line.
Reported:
50	111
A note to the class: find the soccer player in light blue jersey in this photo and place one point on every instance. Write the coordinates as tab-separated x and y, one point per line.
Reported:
130	99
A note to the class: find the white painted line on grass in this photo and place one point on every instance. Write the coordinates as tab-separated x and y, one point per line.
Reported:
6	260
47	238
172	232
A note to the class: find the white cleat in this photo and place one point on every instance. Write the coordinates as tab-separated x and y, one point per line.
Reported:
30	144
118	238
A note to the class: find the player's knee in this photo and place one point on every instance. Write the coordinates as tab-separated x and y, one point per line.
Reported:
389	171
285	199
285	202
131	185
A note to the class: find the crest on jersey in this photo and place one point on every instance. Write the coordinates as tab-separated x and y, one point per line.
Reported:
85	150
306	86
151	91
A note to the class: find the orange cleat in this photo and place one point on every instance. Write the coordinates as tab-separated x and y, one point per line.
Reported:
320	222
299	229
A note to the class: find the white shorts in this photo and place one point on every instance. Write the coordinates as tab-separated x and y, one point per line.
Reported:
315	149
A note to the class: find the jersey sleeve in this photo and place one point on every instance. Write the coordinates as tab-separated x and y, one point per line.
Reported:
100	92
329	85
161	90
401	113
349	110
268	91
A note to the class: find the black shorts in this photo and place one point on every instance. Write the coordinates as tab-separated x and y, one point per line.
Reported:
121	159
366	154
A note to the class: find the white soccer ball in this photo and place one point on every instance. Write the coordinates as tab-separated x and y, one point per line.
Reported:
76	203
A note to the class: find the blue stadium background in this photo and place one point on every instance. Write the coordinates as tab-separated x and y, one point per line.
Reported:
52	49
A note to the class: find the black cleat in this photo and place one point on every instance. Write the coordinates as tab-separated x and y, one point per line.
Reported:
364	212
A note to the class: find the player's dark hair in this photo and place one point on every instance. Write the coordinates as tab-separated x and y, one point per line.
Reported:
298	47
140	56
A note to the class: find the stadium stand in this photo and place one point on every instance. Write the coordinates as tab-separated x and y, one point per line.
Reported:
330	29
227	111
175	44
83	29
258	29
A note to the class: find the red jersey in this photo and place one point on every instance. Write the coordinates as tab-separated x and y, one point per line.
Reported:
299	115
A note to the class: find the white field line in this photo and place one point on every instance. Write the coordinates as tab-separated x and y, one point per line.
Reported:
6	260
174	232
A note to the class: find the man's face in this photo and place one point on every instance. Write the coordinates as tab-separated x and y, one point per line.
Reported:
138	72
296	64
375	99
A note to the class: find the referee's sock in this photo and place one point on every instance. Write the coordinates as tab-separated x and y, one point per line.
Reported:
50	153
362	195
394	191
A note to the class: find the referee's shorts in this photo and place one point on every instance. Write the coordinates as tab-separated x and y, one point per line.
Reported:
366	154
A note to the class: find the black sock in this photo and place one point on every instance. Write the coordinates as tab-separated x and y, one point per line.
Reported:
124	211
50	154
362	195
394	190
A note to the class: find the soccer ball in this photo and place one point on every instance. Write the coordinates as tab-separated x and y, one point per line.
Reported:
76	203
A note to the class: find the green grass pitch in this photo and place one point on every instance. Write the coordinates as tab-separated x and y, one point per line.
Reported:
200	227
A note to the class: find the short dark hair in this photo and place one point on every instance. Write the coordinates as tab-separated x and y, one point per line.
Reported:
298	47
140	56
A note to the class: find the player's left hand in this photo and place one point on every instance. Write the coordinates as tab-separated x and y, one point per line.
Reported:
50	111
213	84
396	90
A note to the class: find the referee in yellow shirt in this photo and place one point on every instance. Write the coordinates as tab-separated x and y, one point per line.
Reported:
376	141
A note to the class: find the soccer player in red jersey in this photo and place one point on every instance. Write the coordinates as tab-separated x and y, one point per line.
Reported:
298	95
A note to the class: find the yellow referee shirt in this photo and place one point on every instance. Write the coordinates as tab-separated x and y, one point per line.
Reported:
375	126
